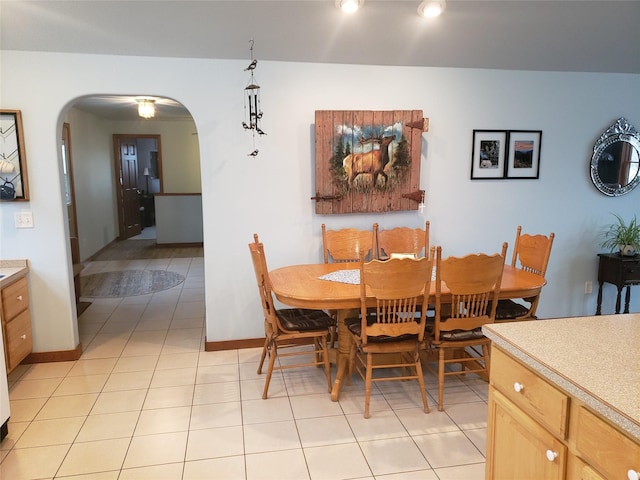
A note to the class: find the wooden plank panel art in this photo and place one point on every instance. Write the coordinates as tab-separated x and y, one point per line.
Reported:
368	161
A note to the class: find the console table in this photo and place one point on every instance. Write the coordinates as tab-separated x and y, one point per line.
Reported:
621	271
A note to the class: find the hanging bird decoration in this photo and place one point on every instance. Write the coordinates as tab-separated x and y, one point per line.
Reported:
252	103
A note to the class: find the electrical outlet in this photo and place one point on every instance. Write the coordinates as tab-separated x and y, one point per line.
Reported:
588	287
24	219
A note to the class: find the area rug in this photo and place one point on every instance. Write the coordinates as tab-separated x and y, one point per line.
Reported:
128	283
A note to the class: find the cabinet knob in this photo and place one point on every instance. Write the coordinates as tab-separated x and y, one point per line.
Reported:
24	337
518	387
633	475
19	298
551	455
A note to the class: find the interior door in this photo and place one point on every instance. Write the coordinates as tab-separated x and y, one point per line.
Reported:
128	193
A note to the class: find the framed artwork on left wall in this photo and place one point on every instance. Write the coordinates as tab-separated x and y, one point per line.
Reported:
13	162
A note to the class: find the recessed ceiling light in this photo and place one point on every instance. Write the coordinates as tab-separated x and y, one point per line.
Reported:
349	6
431	8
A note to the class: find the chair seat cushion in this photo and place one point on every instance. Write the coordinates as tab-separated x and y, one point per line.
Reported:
510	309
459	335
304	320
355	327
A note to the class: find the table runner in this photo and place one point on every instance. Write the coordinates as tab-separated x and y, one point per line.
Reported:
343	276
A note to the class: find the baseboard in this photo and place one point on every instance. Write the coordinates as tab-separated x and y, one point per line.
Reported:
233	344
59	356
246	343
180	245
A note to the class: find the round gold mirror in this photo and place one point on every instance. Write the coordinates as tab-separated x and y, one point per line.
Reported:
615	163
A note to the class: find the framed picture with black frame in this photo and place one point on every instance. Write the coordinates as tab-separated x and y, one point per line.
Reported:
505	154
523	159
488	154
13	162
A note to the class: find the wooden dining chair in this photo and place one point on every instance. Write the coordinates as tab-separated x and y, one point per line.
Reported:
474	285
402	241
400	288
346	244
531	254
286	329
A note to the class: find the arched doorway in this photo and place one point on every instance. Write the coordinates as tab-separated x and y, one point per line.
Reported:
172	165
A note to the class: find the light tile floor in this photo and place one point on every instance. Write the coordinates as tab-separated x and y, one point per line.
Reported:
145	401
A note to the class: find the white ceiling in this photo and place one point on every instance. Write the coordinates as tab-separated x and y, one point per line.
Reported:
548	35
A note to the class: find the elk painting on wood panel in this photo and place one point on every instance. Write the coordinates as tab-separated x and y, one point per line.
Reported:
368	161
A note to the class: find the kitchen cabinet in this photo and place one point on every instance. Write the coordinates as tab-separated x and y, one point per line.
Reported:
537	430
16	319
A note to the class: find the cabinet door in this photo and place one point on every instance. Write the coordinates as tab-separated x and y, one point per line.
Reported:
604	447
578	470
518	447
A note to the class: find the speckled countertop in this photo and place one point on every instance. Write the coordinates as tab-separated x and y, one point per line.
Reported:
595	359
12	269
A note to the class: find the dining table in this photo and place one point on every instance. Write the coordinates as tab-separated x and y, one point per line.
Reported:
308	286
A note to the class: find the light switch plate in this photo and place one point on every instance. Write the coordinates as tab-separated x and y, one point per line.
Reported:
24	219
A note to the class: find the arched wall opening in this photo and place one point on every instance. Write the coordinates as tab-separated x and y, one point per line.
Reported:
91	171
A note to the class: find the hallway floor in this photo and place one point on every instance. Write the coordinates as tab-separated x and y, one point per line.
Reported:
145	401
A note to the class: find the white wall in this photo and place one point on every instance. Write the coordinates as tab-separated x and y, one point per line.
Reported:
94	180
178	219
270	194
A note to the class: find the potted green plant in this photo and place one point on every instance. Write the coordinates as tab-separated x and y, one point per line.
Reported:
622	237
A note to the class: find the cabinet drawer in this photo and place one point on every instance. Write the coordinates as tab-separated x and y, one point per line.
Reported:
19	342
538	398
631	270
15	299
605	448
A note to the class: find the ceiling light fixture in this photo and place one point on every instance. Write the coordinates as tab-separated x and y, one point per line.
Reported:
349	6
433	8
146	107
